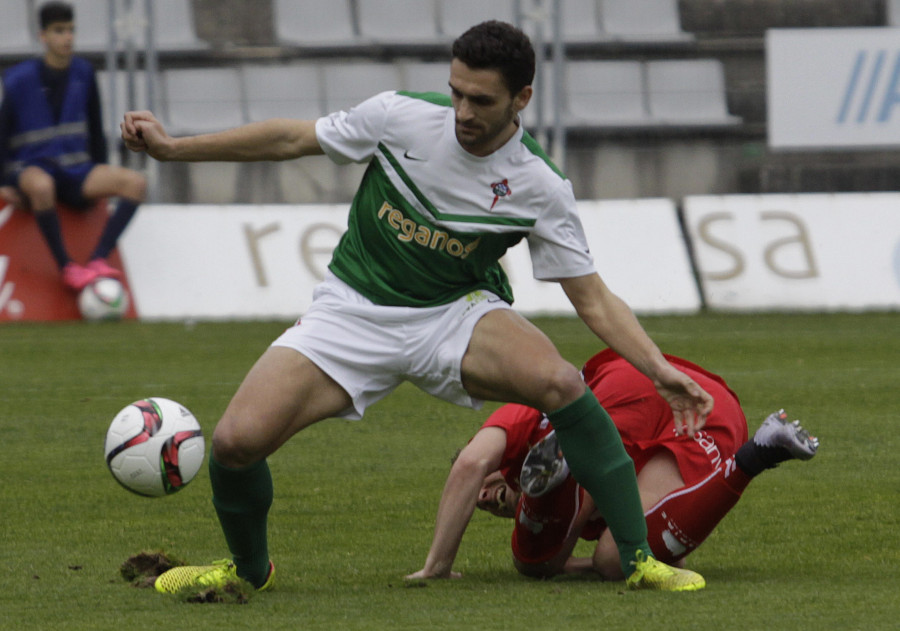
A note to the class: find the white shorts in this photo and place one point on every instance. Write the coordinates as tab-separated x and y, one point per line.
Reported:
370	349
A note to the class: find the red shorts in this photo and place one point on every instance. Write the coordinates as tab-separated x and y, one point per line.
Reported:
646	425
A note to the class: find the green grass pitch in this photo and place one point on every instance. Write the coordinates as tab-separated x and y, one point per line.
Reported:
810	546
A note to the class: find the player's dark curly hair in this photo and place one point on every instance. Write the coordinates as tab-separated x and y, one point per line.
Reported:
495	45
52	12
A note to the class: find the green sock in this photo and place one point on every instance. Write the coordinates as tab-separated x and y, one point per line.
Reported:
242	498
599	462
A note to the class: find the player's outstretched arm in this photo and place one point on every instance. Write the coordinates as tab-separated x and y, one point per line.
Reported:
273	139
612	321
481	456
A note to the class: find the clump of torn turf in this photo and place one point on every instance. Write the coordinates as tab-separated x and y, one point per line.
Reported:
142	568
236	592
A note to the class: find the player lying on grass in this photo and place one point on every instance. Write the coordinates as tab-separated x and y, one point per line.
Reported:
415	292
513	468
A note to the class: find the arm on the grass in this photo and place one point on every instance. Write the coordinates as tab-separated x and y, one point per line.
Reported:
563	562
480	457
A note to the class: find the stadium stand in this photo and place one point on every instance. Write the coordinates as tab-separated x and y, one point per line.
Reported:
174	30
581	21
17	29
623	104
604	93
645	20
106	82
199	100
173	26
349	82
456	16
424	76
687	92
398	21
314	23
286	90
93	22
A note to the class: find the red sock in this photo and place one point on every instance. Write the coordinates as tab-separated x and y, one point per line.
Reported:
683	519
542	523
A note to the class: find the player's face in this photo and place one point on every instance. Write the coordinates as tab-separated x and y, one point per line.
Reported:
496	497
485	110
59	42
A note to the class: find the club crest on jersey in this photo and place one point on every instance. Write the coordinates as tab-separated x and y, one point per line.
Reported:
500	189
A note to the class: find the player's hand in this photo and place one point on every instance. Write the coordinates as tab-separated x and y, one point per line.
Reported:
422	575
141	131
690	403
9	195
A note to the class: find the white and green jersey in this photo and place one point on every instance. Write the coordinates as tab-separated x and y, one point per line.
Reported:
430	221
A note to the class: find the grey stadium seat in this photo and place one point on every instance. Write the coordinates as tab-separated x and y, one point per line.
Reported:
199	100
426	76
456	16
397	21
580	21
349	83
314	22
92	21
141	98
174	26
290	91
604	93
642	20
688	91
17	28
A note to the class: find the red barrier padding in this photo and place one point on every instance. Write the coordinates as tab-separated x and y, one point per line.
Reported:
30	285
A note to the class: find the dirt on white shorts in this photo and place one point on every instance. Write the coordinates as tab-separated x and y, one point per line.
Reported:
371	349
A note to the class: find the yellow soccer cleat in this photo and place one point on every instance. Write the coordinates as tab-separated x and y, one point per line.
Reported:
652	574
270	579
218	574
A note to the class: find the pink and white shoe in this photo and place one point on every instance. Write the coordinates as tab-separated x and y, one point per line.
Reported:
103	269
76	277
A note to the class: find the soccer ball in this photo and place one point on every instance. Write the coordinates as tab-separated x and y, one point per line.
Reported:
154	447
103	299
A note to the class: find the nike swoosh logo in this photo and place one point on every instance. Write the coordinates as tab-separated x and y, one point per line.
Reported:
410	157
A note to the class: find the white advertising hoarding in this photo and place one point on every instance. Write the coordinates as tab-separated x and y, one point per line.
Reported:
229	262
638	250
797	252
234	262
833	88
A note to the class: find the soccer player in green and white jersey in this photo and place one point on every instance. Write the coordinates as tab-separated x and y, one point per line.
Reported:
416	293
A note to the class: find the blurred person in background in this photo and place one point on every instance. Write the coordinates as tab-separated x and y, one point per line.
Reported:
52	147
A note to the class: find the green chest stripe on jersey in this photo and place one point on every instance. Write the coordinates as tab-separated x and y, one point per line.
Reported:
395	255
478	219
532	145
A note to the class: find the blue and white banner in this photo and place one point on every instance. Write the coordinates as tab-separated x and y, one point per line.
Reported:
833	88
815	252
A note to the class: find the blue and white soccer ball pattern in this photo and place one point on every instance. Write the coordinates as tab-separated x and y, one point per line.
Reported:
154	447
